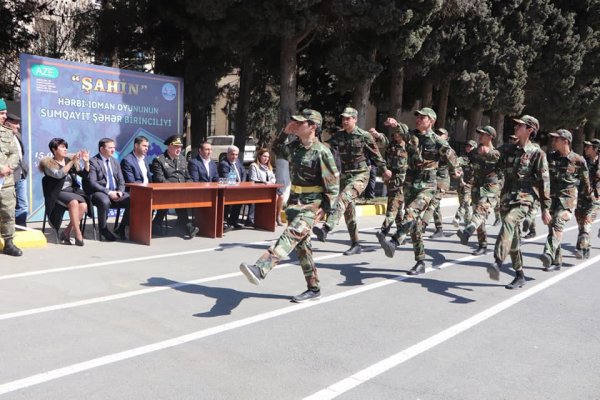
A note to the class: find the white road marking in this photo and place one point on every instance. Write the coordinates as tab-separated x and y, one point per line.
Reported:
393	361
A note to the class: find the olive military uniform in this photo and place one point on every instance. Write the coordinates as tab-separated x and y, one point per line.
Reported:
588	207
9	156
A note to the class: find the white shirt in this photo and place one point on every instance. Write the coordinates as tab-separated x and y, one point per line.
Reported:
142	165
206	162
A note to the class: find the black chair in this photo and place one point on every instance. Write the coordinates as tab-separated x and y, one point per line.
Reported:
93	214
56	214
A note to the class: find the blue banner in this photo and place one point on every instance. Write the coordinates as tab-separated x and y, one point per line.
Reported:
84	103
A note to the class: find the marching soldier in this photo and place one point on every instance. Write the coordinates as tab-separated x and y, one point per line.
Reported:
587	208
353	146
568	174
485	190
315	186
425	150
526	178
464	186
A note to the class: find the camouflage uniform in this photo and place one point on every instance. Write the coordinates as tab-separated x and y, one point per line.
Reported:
463	190
352	149
425	151
396	157
315	185
567	174
526	179
588	207
9	156
442	186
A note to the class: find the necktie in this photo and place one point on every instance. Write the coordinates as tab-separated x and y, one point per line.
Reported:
111	178
237	174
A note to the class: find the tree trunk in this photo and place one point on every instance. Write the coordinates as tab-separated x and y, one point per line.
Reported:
396	90
498	123
427	93
241	115
590	132
475	115
288	64
578	136
362	92
442	110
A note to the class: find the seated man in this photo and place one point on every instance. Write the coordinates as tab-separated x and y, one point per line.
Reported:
227	165
106	187
134	165
201	167
172	167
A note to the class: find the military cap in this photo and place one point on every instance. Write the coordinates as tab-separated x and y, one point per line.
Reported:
13	117
472	143
175	140
487	130
562	133
402	128
309	115
441	131
349	112
428	112
2	105
528	120
593	142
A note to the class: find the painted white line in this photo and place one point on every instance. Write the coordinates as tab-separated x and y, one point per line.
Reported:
393	361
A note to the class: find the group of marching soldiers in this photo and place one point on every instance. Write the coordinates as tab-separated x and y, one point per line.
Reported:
514	181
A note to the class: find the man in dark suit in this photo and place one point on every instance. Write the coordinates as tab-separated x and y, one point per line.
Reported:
227	165
171	167
201	167
135	166
106	187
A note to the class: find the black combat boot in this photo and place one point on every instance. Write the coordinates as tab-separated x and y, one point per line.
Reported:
530	235
419	268
586	253
321	232
464	236
389	247
381	234
355	248
10	249
439	232
493	270
518	282
481	250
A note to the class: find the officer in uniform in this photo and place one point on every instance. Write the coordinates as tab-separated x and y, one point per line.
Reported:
425	150
396	158
14	122
9	160
526	178
443	185
587	208
171	166
353	145
568	175
485	190
315	186
464	186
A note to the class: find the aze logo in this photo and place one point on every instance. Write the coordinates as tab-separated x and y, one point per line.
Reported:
44	71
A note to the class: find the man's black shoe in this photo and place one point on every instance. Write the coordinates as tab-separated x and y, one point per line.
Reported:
463	235
107	235
320	232
227	228
518	282
389	247
252	273
530	235
236	226
480	251
192	230
546	261
586	253
380	237
307	296
493	270
10	249
439	232
356	248
419	268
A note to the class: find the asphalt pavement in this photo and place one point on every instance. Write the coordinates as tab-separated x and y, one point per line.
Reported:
177	320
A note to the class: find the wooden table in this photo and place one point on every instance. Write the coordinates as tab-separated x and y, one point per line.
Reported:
208	201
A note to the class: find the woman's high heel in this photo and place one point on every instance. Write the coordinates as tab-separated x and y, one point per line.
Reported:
64	239
79	242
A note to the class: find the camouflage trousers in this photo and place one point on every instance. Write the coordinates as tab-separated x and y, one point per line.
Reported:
560	217
296	236
585	213
416	203
509	238
395	201
351	186
8	202
530	217
464	203
485	200
433	210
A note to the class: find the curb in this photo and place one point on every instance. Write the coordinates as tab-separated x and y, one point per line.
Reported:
28	239
366	210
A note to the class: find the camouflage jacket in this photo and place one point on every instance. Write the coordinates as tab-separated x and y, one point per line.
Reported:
568	174
396	157
9	154
464	165
167	169
485	172
594	173
354	148
310	166
425	151
526	177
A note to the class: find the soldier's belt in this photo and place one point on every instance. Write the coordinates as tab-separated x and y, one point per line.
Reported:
306	189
